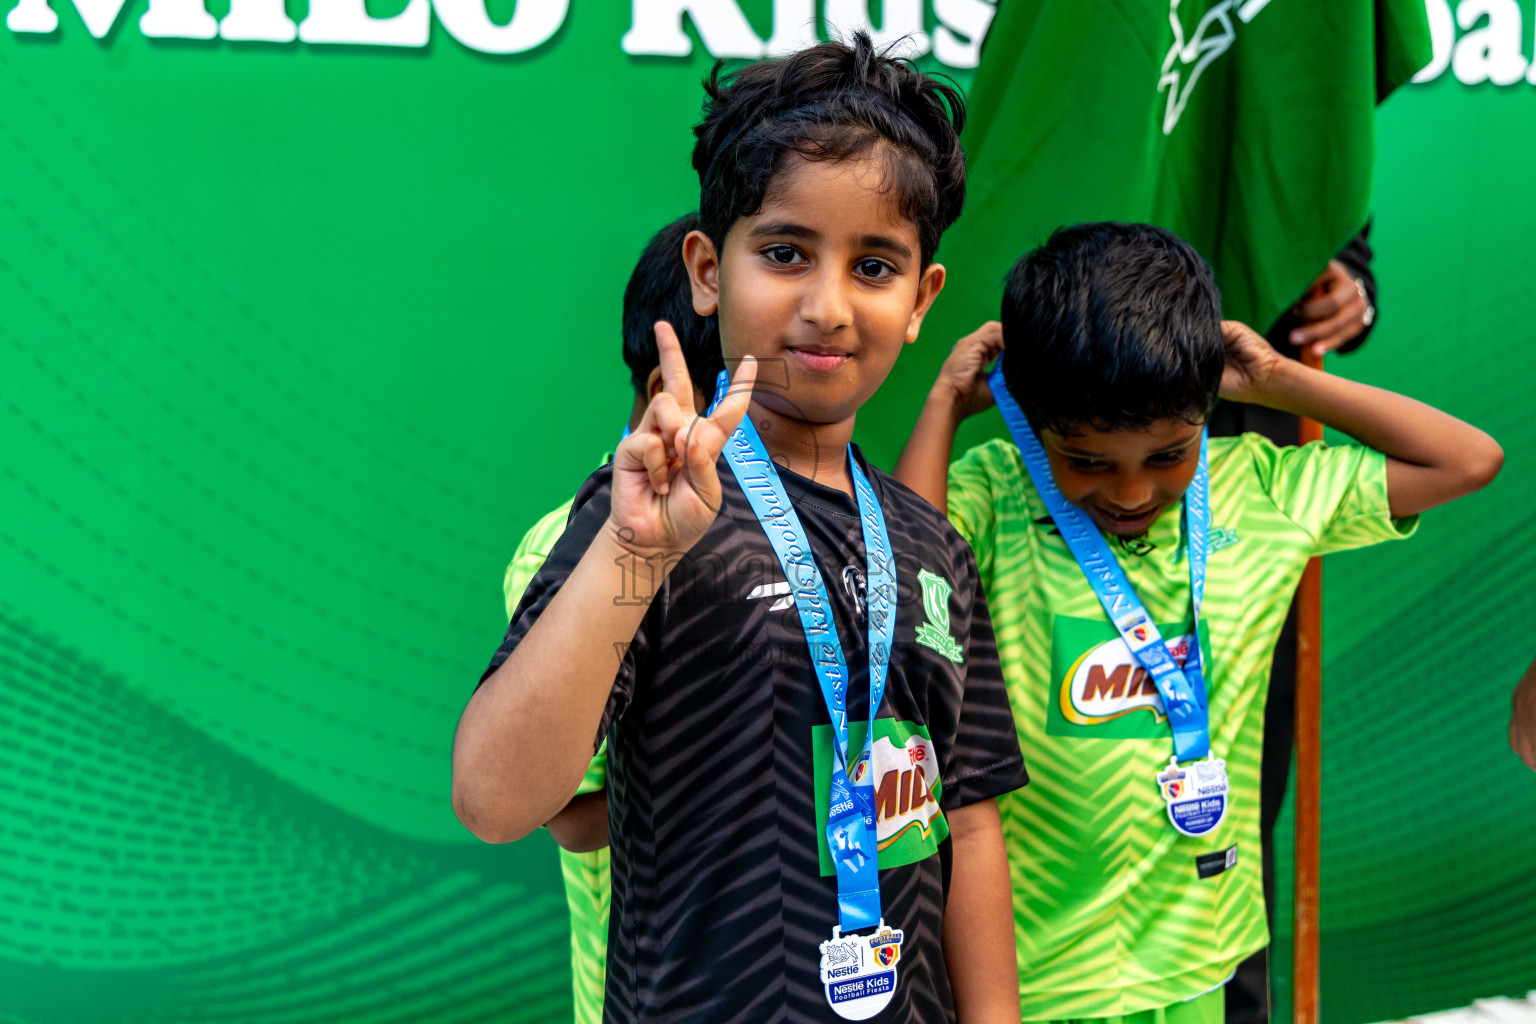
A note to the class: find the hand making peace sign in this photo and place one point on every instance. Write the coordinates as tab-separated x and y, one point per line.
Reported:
666	490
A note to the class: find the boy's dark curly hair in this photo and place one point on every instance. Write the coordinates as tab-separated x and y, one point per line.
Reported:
834	101
1112	326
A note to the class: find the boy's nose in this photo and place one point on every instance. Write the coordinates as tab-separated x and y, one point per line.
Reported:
1131	495
828	304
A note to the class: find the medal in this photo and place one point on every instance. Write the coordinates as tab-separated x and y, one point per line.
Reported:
1197	794
858	972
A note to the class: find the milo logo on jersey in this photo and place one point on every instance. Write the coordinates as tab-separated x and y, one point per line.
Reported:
905	775
1099	690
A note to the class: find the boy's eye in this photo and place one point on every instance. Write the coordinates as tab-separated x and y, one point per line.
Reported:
783	254
1166	459
872	268
1086	465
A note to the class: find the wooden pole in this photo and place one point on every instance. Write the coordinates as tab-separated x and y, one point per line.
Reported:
1309	675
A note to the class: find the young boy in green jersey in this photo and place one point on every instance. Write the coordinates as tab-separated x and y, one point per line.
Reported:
658	289
801	792
1136	881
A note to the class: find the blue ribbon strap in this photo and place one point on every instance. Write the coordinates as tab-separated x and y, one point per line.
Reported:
1183	691
850	831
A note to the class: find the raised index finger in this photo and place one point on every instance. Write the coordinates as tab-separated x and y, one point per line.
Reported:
674	368
738	398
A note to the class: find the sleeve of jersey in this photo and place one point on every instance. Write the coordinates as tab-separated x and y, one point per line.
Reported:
985	761
971	509
1336	494
592	504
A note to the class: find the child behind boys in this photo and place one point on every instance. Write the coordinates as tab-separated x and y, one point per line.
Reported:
658	289
767	793
1136	881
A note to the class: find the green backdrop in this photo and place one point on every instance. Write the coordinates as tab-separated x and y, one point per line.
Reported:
297	339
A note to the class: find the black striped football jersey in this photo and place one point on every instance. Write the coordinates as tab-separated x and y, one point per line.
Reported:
720	747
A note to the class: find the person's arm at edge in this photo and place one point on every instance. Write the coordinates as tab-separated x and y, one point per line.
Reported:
1522	718
1432	457
978	919
525	739
1356	257
959	392
1339	309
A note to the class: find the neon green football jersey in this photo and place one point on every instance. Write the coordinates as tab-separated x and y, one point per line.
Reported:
1111	912
587	887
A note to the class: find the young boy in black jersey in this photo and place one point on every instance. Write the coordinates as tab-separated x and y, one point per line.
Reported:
745	824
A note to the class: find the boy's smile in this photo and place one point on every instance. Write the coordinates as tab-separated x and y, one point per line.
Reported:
1124	479
826	280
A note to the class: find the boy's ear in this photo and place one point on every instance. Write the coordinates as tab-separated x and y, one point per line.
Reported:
928	288
703	265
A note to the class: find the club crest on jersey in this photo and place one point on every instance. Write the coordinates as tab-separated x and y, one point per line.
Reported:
1108	683
1221	537
934	633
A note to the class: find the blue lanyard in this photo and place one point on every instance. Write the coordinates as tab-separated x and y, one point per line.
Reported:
1183	692
851	835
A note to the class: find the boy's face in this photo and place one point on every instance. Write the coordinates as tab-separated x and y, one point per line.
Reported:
1124	479
824	281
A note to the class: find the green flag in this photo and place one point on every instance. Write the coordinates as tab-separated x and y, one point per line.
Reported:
1245	126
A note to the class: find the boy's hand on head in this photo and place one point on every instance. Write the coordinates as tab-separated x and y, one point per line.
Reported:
666	490
1432	457
962	380
1251	363
959	391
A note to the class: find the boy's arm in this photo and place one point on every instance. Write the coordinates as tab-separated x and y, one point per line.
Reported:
978	920
583	825
1432	457
526	736
959	392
